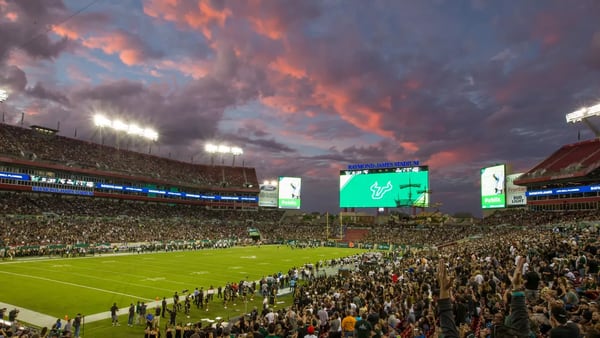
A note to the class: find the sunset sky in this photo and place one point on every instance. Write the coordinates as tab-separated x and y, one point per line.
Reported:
308	87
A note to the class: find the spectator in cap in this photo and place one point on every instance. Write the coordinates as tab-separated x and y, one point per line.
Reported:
310	332
561	327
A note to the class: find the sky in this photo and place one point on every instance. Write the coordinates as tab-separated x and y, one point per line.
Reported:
308	87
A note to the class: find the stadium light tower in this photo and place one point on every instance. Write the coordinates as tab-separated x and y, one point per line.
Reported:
583	115
119	126
222	149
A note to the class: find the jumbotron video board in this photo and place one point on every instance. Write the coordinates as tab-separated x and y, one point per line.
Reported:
395	187
289	192
493	194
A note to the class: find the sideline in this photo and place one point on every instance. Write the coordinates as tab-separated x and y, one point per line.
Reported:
30	316
41	319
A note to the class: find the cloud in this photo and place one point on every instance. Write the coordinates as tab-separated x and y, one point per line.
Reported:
40	92
13	77
26	30
308	86
130	48
201	15
593	54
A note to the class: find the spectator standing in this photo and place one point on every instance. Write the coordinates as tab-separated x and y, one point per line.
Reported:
114	309
131	315
77	324
68	328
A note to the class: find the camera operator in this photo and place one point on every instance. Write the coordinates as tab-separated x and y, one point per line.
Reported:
12	315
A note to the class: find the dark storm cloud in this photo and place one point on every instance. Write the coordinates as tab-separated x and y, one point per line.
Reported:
29	32
196	107
13	77
41	92
268	145
252	130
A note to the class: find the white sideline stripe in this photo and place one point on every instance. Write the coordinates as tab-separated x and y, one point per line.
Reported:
30	316
73	284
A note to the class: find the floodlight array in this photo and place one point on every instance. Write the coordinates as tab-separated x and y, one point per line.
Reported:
3	95
273	182
583	113
223	149
102	121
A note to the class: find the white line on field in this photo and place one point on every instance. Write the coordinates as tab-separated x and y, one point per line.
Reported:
73	284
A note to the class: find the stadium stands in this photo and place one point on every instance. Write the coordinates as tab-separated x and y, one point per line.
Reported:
28	144
570	161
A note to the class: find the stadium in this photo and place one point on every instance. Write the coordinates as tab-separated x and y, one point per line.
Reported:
98	225
299	169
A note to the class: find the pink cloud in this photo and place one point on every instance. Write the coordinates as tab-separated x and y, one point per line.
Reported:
449	158
66	31
410	147
282	65
358	114
130	49
11	16
199	15
270	27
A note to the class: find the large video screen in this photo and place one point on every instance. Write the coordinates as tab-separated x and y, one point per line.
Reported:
268	195
289	192
385	188
493	194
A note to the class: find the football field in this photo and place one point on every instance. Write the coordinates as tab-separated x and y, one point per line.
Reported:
58	287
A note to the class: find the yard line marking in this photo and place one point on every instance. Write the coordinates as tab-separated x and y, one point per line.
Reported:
73	284
107	279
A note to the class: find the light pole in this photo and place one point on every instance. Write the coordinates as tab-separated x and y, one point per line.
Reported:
212	150
235	151
3	97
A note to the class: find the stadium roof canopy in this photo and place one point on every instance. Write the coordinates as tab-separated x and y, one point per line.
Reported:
571	161
44	130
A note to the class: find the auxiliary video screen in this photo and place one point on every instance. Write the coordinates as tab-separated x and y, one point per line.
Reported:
493	194
289	192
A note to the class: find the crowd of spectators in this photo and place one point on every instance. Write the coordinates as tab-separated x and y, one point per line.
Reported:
30	219
498	277
520	283
30	144
39	219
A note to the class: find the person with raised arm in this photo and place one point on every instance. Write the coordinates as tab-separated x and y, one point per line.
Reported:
447	323
515	325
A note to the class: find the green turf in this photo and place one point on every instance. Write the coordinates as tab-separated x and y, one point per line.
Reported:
60	287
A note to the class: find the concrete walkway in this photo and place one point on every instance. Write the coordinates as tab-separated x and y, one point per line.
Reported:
29	316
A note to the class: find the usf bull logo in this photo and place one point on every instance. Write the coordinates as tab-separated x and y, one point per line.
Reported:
378	192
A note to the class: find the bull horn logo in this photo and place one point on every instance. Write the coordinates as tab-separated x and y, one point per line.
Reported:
378	192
